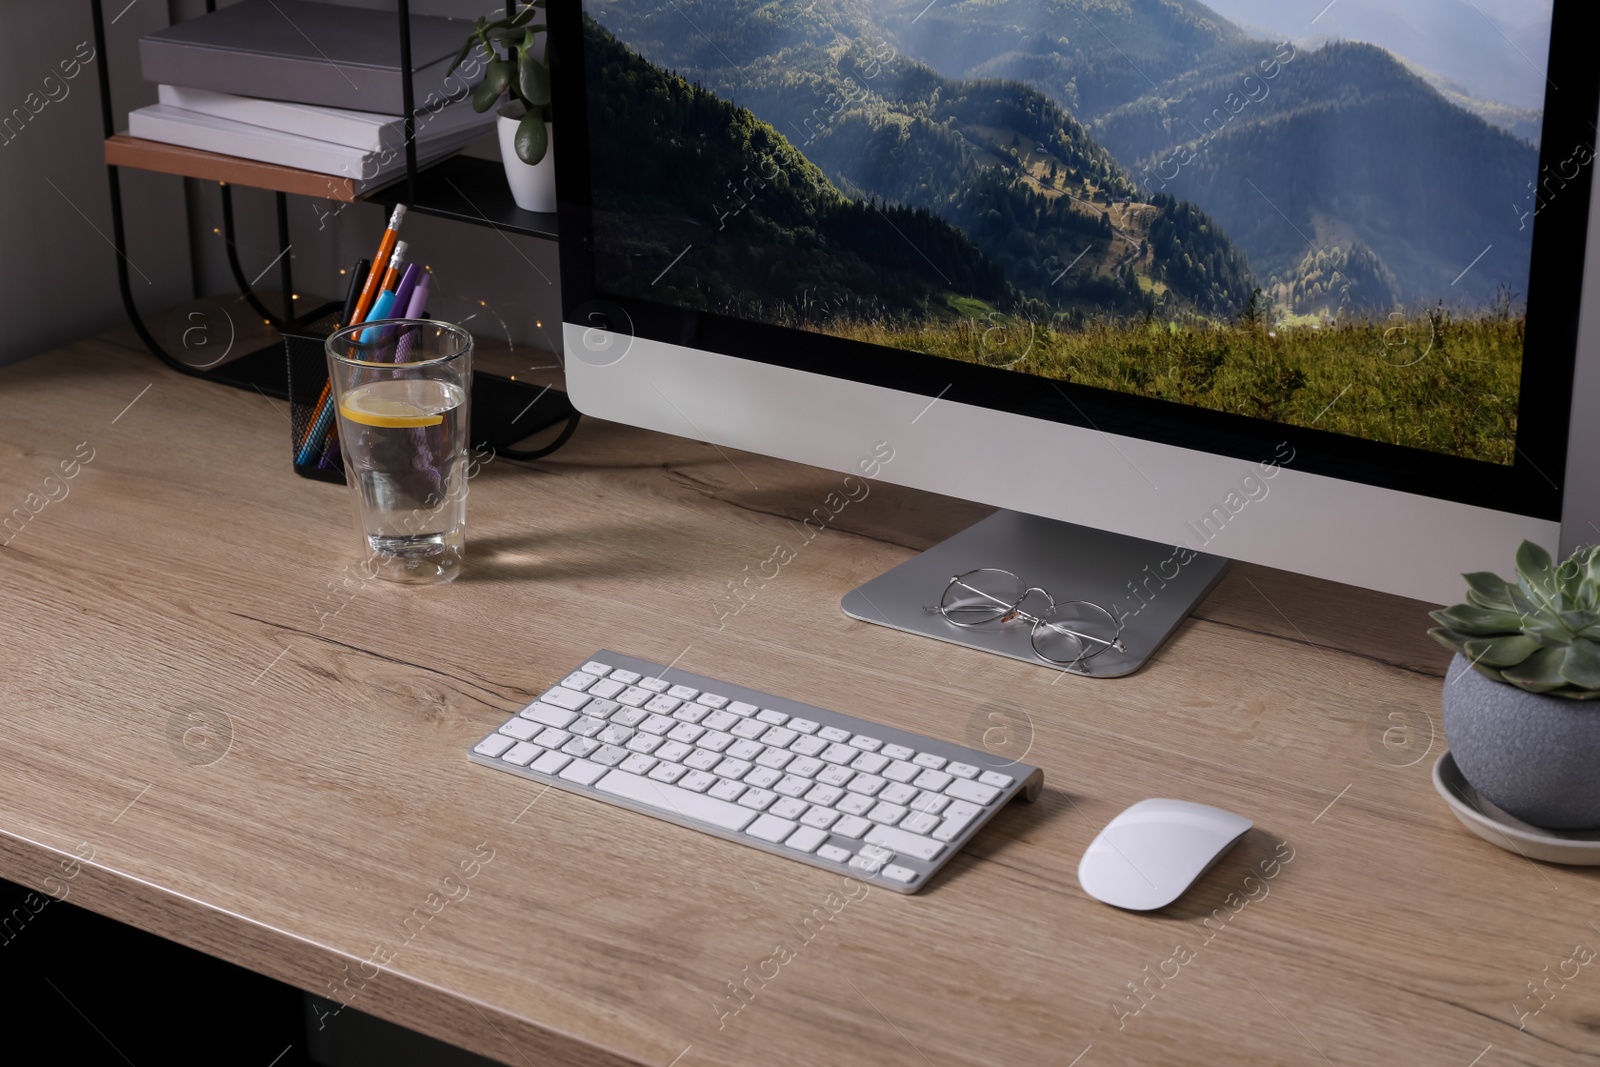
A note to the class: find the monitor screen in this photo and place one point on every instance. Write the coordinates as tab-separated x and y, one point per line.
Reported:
1323	221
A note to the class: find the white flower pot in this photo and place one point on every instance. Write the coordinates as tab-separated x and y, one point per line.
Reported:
533	188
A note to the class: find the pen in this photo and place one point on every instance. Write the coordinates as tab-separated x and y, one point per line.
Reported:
369	291
379	311
353	292
419	298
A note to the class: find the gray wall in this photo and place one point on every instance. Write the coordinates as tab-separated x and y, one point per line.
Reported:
58	278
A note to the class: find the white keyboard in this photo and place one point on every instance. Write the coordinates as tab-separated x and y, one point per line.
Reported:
837	792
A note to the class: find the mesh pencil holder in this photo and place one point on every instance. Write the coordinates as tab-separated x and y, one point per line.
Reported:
308	380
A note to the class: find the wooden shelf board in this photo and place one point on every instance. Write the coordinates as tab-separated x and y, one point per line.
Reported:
125	151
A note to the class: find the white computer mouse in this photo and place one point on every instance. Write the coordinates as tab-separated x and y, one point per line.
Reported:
1146	857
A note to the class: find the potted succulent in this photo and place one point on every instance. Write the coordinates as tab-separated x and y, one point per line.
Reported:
1517	715
517	68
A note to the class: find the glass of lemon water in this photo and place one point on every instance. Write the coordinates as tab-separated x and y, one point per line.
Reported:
402	391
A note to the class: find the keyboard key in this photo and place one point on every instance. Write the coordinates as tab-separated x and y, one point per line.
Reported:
932	781
628	717
896	873
596	668
638	763
825	795
691	712
726	790
834	853
919	822
996	779
625	677
887	814
865	865
687	732
655	685
495	744
899	752
838	753
741	709
585	773
634	697
788	807
803	726
805	766
907	844
763	777
683	692
778	737
749	728
900	771
588	726
606	687
897	793
808	746
600	709
957	818
821	818
932	803
698	781
877	853
745	750
866	784
644	743
869	762
733	768
854	804
929	760
675	799
852	827
550	762
716	741
553	738
609	755
579	681
548	715
520	729
790	786
775	758
719	720
975	792
758	799
805	839
662	705
522	754
865	743
615	735
776	718
711	700
771	828
833	733
657	724
673	751
570	699
668	772
962	770
580	747
701	760
835	775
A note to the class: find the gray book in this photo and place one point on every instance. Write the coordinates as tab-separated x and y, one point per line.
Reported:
309	53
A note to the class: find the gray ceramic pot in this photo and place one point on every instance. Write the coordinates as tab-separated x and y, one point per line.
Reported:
1537	757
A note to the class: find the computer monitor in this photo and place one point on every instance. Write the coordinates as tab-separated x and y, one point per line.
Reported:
1305	295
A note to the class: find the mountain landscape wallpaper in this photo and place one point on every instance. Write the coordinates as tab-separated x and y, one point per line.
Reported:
1323	220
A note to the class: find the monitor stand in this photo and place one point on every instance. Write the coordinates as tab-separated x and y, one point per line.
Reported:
1151	587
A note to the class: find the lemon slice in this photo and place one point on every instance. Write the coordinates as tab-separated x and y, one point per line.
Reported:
368	409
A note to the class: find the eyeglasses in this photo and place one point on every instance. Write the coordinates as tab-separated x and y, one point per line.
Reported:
1068	634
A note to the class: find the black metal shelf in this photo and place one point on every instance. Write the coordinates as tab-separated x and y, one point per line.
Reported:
470	190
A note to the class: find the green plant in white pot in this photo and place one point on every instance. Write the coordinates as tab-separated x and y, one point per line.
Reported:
518	69
1517	715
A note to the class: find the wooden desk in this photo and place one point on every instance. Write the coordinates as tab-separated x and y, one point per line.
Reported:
188	569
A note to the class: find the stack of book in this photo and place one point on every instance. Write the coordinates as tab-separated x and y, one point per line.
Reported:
309	85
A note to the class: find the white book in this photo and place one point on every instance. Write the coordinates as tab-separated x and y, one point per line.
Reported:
354	129
192	129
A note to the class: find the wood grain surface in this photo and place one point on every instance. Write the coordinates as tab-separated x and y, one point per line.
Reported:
218	732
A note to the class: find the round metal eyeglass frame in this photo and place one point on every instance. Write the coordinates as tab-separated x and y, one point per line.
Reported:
960	609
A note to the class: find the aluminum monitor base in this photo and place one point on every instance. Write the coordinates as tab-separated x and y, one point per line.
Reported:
1151	587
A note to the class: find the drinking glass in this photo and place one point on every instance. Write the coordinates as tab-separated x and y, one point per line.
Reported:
402	390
